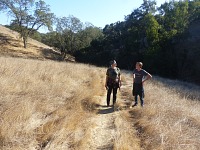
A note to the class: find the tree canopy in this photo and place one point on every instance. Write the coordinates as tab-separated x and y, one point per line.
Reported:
28	15
154	35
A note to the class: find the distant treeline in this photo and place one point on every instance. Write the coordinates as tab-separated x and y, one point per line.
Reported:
165	38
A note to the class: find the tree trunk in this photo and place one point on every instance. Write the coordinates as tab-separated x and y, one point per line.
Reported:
25	42
64	55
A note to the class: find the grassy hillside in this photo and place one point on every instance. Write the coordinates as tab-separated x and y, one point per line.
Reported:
11	45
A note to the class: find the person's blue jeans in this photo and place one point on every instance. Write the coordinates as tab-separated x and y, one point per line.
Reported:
141	100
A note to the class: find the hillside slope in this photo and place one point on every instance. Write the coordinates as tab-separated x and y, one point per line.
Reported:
11	45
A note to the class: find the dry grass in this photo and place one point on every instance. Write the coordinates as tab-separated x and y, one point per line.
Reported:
170	118
41	103
126	136
48	105
12	45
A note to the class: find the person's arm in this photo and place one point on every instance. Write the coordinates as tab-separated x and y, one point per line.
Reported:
148	76
106	86
106	82
133	77
120	82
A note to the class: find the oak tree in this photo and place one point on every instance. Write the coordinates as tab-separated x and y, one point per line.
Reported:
28	15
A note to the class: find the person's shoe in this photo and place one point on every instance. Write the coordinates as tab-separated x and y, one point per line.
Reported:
133	105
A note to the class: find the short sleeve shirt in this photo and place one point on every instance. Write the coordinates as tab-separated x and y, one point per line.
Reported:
113	74
139	75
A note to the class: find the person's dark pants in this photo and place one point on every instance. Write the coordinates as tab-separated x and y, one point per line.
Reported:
141	100
138	90
111	88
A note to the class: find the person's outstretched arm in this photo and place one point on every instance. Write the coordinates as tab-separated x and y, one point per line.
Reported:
149	76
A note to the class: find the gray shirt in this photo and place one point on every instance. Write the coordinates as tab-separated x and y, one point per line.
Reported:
139	75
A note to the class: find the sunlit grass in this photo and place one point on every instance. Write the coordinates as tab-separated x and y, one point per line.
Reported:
47	105
170	118
41	102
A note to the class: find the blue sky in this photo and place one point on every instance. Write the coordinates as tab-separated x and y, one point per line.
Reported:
97	12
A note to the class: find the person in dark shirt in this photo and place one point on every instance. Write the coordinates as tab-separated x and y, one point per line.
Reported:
139	77
113	81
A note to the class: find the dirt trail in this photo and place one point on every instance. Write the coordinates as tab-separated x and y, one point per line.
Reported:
110	128
103	129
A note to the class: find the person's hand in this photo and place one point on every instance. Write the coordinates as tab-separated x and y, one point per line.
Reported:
120	84
106	86
143	82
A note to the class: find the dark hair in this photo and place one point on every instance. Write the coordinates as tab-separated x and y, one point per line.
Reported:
112	62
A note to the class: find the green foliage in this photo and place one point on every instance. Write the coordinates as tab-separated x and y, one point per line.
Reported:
88	34
50	39
175	15
151	30
148	34
67	29
36	35
194	10
72	36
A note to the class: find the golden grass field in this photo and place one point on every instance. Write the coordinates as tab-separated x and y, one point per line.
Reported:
48	105
171	117
44	101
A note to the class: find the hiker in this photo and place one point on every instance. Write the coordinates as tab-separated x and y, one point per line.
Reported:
113	81
139	77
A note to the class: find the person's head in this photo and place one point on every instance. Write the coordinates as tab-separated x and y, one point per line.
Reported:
139	65
113	63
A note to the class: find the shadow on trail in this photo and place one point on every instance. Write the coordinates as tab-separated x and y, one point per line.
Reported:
107	110
106	147
98	106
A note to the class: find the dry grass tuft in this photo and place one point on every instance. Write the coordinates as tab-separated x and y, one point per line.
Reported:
126	136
